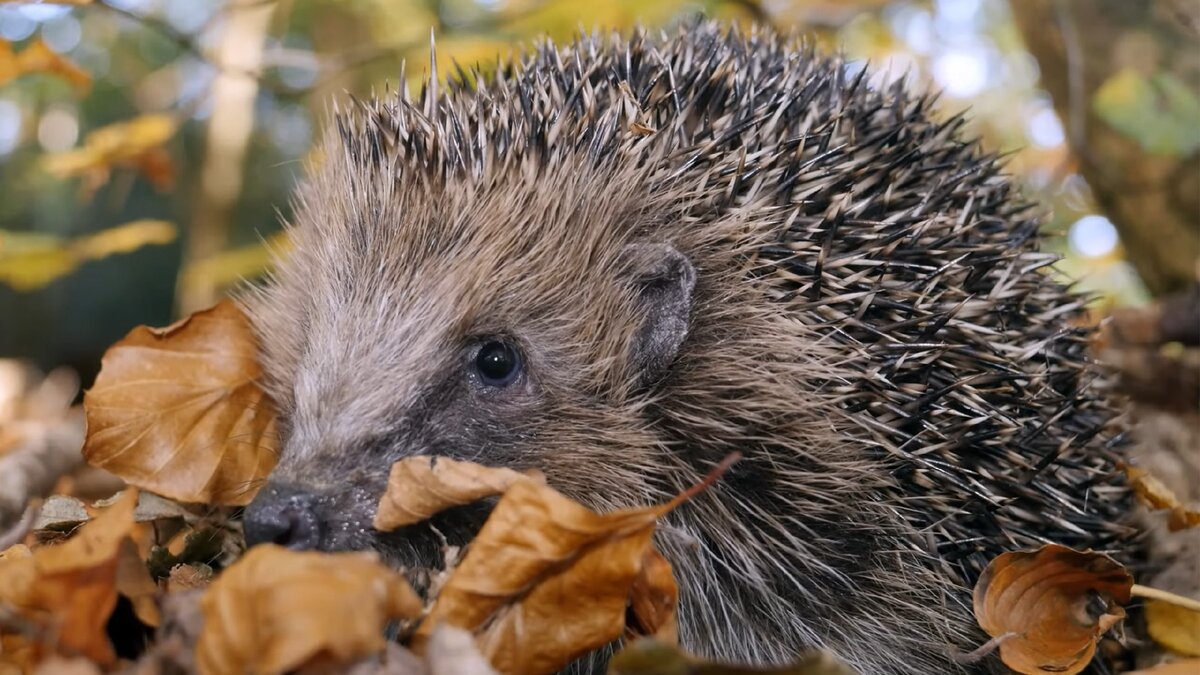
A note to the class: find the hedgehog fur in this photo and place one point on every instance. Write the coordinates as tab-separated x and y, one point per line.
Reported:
872	325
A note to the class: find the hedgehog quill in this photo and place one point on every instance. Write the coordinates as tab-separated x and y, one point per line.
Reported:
619	260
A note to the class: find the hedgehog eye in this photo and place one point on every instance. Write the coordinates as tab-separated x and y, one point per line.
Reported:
498	363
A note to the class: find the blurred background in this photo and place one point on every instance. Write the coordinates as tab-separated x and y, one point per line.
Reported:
148	147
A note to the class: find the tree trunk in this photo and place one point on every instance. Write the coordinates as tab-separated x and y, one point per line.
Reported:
1152	194
239	57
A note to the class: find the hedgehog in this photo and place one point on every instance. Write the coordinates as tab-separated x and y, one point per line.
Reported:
621	260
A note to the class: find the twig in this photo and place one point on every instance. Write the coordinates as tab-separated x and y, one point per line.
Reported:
1139	591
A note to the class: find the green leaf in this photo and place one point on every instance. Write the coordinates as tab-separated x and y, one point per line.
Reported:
1158	112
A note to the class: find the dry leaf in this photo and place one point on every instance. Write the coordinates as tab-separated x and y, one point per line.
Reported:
654	657
1155	495
60	666
1184	667
546	579
419	487
1176	628
179	411
69	589
1055	601
37	57
653	599
135	583
185	577
276	609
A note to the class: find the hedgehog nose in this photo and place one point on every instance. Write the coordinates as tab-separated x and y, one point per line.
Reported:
285	515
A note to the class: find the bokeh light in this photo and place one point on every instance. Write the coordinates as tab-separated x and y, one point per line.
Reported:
1093	236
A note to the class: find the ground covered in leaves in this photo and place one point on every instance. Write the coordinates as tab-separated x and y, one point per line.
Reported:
155	578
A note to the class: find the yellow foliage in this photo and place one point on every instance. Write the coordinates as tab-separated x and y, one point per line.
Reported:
229	267
37	57
31	261
136	143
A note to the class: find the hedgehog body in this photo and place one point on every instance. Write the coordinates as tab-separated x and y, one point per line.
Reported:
620	261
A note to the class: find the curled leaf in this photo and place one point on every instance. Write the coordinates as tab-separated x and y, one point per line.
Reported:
1155	495
1055	602
179	410
275	610
69	590
546	579
653	599
419	487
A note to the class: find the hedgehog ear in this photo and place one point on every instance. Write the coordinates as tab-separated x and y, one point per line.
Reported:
664	280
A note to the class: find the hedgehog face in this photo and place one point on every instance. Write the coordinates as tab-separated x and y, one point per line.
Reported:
487	321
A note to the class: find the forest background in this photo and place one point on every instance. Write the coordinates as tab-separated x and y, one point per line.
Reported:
148	148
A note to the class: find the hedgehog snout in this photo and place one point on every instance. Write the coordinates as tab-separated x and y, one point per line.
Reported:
283	514
302	518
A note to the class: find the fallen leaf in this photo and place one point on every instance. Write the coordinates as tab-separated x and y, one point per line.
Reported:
135	583
38	57
69	589
185	577
1182	518
1176	628
179	410
276	609
653	599
547	580
62	512
1053	603
650	656
1184	667
1155	495
60	666
16	655
419	487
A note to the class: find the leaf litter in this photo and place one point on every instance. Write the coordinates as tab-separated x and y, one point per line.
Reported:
178	412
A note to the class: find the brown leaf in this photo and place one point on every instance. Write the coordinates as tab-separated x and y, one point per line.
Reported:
1173	627
419	487
650	656
59	666
179	411
69	590
276	609
186	577
1184	667
1054	603
546	579
1155	495
135	583
652	600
